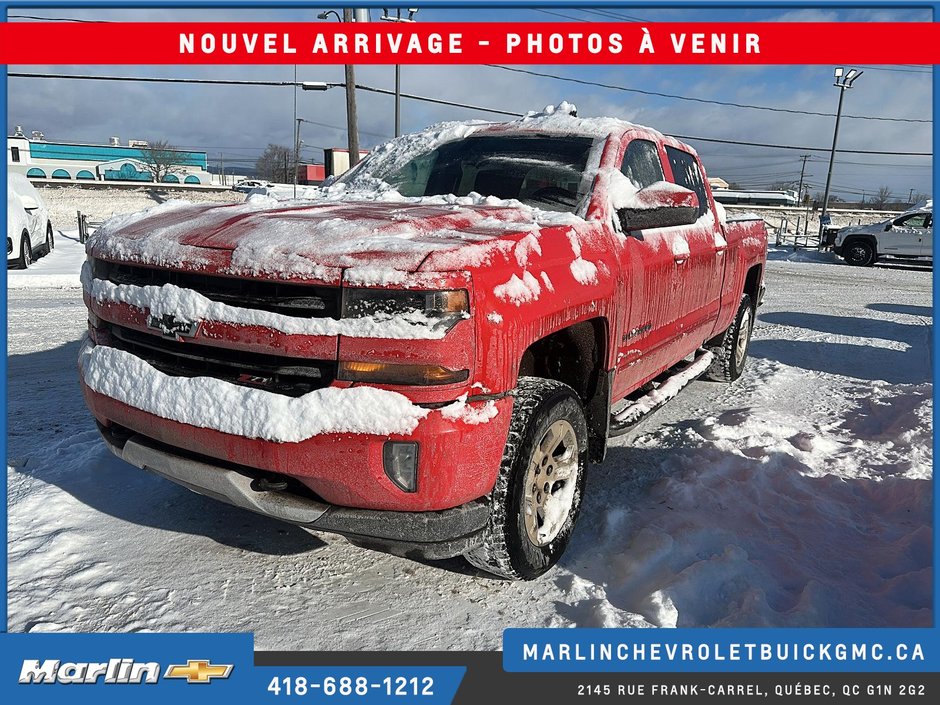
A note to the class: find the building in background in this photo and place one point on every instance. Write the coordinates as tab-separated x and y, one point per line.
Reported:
337	160
40	159
311	174
755	198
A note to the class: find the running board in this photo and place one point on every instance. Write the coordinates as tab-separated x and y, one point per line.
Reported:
665	388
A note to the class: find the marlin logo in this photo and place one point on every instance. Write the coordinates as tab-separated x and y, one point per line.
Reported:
118	671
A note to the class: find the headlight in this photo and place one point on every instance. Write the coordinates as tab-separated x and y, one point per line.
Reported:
442	308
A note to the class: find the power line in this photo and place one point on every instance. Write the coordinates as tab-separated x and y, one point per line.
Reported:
441	101
245	82
793	111
806	149
56	19
559	14
438	101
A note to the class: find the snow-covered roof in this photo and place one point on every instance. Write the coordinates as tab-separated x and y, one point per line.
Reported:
558	119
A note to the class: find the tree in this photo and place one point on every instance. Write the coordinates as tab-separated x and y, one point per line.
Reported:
161	159
782	186
881	198
274	164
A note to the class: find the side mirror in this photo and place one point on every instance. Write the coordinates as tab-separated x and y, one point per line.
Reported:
659	205
29	203
888	226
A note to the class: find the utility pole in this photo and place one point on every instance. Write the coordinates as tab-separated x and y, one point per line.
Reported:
352	119
910	197
799	189
296	153
843	81
222	167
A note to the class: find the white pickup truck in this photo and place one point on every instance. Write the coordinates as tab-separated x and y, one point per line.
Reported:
907	236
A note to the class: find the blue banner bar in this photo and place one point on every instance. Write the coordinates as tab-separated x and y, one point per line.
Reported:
196	668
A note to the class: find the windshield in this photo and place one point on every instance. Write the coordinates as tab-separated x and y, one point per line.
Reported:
541	171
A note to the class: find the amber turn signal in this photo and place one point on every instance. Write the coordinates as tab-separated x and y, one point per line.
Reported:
383	373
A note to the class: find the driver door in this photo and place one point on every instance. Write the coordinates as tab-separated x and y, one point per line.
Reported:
906	236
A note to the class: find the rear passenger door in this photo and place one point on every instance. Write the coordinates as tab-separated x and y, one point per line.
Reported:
698	277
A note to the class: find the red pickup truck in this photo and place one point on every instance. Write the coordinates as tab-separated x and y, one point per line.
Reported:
425	355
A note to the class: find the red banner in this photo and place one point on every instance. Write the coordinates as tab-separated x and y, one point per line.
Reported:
469	43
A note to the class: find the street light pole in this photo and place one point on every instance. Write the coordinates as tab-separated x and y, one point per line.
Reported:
296	131
844	80
296	153
398	18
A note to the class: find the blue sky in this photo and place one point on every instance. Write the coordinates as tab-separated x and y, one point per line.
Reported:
239	122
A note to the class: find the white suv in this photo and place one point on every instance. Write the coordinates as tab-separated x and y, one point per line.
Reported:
907	236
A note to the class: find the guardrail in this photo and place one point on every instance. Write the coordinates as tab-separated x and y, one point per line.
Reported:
84	225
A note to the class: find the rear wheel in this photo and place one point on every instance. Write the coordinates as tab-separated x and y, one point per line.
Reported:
730	348
859	253
537	496
50	239
26	252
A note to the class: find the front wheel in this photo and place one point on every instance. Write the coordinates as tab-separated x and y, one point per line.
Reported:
730	348
535	503
859	253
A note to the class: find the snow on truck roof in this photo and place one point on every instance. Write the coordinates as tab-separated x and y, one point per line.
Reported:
558	119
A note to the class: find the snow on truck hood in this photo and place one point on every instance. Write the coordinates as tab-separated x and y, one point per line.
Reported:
375	236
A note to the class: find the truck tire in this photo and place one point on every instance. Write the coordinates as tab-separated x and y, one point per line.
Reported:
858	253
543	468
730	348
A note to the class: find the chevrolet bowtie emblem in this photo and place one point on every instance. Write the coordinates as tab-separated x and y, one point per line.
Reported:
198	671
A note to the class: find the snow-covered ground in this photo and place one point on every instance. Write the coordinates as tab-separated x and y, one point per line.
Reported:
101	203
801	495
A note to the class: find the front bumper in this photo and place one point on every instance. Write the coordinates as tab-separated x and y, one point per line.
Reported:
429	535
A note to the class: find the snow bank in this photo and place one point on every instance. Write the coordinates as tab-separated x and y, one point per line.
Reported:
210	403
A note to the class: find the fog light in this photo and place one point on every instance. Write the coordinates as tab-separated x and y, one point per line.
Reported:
401	464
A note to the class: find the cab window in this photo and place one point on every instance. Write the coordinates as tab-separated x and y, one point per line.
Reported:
914	220
641	164
686	173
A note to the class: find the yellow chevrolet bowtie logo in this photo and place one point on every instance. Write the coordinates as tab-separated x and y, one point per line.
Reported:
198	671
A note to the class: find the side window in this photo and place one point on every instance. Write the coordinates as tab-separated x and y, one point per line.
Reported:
917	220
641	164
15	153
686	172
